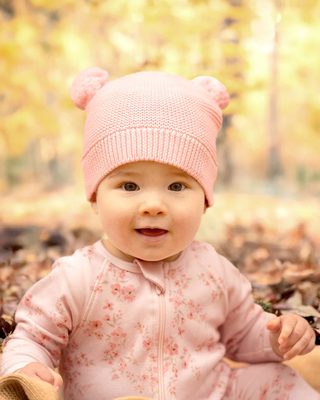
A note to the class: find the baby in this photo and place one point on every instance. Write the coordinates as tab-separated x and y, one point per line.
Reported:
149	311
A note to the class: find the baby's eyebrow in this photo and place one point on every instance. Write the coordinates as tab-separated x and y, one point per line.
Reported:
122	173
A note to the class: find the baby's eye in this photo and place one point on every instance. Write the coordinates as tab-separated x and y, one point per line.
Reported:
129	185
177	185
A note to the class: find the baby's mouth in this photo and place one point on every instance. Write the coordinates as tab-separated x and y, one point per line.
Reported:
152	232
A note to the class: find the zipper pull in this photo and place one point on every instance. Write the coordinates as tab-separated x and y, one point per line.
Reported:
159	290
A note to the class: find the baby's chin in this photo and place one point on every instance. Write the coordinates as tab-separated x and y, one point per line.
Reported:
154	258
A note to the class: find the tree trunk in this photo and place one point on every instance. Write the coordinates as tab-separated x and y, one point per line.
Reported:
274	168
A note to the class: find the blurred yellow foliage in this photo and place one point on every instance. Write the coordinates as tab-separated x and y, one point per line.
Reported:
44	44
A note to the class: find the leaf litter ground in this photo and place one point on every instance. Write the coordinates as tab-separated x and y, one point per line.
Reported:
282	266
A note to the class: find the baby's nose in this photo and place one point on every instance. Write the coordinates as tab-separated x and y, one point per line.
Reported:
153	205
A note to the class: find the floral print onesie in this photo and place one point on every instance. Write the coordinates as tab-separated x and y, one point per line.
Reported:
151	329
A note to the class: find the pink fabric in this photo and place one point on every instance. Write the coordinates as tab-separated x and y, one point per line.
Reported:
153	116
151	329
269	381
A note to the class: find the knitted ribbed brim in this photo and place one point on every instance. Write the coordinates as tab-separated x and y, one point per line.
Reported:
20	387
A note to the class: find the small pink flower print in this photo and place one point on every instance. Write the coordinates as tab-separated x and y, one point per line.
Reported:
116	288
56	353
83	355
171	273
99	335
289	387
97	289
173	390
111	269
153	357
185	364
27	300
144	377
96	324
64	338
191	304
221	280
214	295
173	349
167	365
122	365
107	318
276	381
112	345
128	293
147	344
118	333
211	346
176	301
86	387
115	376
180	331
263	392
122	274
108	305
190	315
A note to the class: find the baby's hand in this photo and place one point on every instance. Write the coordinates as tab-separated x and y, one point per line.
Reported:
42	372
291	332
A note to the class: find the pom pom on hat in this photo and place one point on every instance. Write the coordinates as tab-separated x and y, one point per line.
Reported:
216	89
86	85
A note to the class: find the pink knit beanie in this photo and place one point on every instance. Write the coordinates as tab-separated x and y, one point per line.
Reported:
151	116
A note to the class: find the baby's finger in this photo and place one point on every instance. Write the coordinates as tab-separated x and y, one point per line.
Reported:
287	329
299	347
274	324
310	346
45	375
58	381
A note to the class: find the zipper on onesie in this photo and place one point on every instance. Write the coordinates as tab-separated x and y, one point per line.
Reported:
162	322
156	277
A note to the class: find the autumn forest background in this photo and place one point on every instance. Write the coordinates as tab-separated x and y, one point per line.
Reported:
266	215
264	51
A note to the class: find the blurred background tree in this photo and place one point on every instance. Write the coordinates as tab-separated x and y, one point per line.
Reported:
264	51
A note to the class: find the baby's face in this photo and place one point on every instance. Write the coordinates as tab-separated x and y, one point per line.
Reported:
149	194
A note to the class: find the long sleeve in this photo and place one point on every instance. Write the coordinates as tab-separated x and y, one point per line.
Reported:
45	316
244	331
